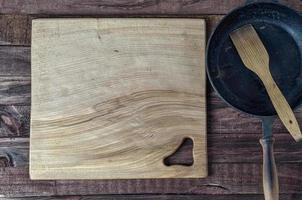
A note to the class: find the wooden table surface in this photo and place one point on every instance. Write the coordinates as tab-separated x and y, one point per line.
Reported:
235	155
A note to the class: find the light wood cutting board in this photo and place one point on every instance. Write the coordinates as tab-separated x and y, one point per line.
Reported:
112	98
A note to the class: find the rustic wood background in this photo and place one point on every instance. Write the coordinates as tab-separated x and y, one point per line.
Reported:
234	151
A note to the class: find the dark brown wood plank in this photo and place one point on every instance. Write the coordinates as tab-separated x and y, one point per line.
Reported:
14	121
159	197
233	178
126	7
14	75
14	152
223	179
15	182
14	29
15	62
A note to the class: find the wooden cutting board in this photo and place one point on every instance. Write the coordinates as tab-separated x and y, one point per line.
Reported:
112	98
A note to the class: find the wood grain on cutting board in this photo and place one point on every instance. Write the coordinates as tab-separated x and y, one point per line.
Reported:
112	98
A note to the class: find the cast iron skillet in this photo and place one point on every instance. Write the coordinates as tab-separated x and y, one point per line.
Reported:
280	29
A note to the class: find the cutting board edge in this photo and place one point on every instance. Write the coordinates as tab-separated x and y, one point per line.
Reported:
44	175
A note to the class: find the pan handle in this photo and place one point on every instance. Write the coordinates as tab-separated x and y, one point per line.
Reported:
270	176
255	1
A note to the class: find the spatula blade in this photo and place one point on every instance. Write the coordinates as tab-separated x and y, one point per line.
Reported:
250	48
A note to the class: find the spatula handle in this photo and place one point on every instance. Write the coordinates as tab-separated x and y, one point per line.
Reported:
281	106
270	177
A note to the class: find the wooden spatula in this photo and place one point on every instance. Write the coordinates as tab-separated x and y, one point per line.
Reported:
256	58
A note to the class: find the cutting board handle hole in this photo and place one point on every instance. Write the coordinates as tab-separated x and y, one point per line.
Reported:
183	155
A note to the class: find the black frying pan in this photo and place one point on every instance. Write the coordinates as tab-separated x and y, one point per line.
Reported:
280	29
